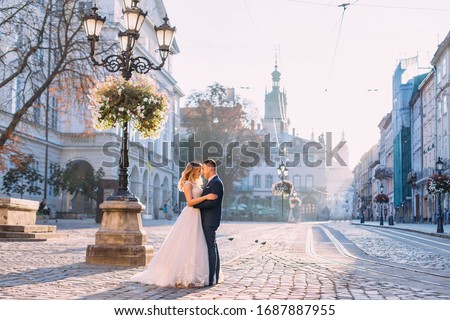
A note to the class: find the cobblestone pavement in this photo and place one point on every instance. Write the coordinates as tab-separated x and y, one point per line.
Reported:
333	260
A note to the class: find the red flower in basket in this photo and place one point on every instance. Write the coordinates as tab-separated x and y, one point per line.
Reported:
381	198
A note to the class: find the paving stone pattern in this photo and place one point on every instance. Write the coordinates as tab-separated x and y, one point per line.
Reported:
277	269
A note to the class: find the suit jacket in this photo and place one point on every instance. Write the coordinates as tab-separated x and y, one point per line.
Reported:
211	210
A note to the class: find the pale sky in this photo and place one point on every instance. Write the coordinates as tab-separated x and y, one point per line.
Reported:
336	66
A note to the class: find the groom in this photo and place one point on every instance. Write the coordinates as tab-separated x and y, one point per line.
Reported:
211	212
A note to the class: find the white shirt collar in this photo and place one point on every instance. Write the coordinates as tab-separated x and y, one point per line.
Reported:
212	177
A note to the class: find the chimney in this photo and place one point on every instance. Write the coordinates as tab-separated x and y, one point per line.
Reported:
293	132
252	125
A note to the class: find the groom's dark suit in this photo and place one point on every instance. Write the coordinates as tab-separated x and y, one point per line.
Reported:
211	214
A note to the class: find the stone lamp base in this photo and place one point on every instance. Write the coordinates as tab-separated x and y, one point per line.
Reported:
121	240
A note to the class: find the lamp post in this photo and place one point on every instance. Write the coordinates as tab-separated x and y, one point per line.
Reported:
362	201
121	239
439	222
283	173
382	205
126	63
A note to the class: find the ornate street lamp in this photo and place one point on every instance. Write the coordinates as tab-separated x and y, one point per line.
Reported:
283	173
439	222
126	63
121	239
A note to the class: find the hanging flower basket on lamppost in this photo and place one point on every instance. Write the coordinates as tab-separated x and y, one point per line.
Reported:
381	198
116	101
282	188
438	183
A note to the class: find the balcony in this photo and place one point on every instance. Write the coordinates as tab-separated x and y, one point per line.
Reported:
383	173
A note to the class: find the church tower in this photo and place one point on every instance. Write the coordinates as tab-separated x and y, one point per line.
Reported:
275	106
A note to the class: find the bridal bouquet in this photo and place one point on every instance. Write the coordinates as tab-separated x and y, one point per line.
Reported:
116	101
438	183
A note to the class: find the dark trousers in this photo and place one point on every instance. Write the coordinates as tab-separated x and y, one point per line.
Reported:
213	254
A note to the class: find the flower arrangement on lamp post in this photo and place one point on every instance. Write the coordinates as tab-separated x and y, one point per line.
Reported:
282	188
438	184
116	101
120	102
381	198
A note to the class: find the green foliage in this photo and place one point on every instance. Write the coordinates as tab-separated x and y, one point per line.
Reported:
67	179
22	179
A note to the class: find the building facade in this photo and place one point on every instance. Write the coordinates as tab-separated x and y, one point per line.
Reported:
63	139
412	138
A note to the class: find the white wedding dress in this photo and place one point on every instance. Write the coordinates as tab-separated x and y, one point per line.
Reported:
182	260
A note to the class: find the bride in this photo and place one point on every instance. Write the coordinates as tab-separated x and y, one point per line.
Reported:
182	260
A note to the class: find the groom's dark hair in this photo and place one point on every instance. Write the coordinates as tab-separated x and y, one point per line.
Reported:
210	163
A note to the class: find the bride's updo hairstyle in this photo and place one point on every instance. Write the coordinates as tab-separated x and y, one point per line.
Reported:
188	174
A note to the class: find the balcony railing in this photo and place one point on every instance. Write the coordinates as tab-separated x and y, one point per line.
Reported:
383	173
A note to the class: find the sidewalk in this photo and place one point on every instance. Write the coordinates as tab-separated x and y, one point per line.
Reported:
424	228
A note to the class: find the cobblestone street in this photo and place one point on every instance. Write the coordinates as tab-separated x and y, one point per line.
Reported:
333	260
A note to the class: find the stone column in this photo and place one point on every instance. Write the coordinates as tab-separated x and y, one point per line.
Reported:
121	240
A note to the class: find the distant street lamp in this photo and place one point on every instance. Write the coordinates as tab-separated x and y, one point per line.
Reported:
382	205
283	173
439	222
361	210
125	62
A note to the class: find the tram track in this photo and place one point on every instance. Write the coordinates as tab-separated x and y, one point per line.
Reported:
310	251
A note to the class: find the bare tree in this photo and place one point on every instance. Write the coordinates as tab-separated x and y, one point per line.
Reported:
44	56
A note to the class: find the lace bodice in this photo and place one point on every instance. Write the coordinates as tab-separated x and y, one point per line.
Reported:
196	190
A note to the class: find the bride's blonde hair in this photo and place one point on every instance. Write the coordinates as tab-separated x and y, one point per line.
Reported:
188	174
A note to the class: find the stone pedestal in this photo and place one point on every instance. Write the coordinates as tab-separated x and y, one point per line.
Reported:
18	211
121	239
18	222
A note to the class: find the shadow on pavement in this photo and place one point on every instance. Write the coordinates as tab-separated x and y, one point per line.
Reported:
142	292
52	274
